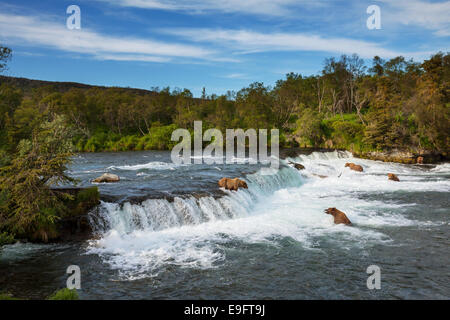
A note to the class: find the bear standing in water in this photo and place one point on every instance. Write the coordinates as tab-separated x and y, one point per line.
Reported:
232	184
339	216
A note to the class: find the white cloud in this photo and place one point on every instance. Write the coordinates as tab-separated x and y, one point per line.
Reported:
236	76
128	57
261	7
210	45
38	32
244	41
429	15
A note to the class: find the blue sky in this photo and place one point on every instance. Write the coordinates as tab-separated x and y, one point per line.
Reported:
218	44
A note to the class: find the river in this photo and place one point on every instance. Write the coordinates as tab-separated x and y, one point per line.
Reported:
167	231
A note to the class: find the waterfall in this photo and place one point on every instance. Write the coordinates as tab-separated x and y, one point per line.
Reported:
142	239
159	214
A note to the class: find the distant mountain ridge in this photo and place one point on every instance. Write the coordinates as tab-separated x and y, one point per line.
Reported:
27	85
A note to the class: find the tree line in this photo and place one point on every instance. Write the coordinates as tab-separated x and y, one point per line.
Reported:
390	104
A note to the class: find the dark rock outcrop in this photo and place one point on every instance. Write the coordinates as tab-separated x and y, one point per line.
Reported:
74	225
339	216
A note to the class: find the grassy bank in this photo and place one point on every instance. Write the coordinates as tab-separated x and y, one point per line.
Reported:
158	138
63	294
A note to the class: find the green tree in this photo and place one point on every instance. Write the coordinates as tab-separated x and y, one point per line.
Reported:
309	130
28	205
255	106
5	56
10	99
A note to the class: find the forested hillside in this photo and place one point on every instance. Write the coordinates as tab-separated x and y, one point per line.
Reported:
392	104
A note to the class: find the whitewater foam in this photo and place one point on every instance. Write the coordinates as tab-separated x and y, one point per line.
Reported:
154	165
140	240
442	168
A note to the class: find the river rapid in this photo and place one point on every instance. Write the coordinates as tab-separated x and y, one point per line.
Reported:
167	231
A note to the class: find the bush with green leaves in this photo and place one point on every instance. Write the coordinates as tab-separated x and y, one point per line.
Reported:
309	129
6	238
7	296
29	207
64	294
346	131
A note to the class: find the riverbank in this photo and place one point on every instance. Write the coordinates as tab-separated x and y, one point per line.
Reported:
405	157
74	225
395	156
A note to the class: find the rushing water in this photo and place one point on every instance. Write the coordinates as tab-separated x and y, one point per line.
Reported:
168	232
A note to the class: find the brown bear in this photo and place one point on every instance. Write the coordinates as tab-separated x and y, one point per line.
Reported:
354	167
339	216
232	184
393	177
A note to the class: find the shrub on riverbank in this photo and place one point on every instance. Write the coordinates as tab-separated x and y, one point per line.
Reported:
345	132
7	296
64	294
158	138
88	197
6	238
80	201
29	207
